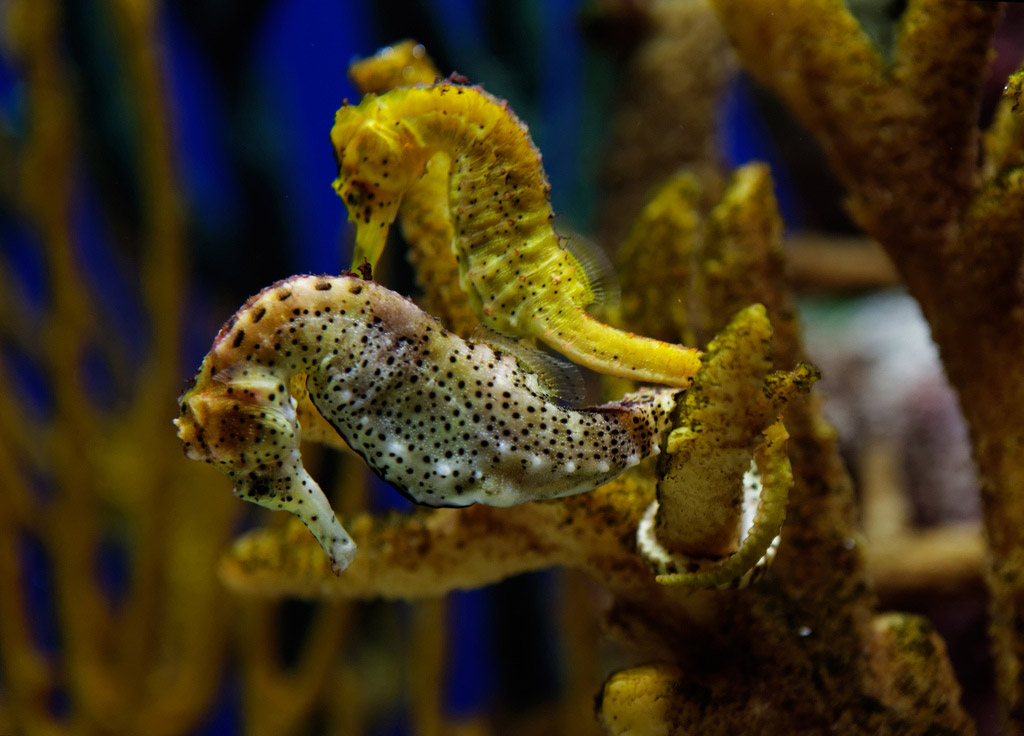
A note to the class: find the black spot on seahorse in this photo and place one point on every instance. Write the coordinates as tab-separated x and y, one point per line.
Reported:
257	490
239	337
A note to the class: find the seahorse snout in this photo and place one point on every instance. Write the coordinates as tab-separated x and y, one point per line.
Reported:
191	430
234	431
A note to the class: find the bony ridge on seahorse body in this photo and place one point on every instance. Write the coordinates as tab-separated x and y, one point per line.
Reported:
445	421
520	278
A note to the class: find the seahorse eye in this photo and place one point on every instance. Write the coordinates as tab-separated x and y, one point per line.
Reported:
352	193
189	385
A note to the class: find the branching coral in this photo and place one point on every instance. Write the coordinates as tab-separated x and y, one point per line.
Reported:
708	457
903	139
665	117
799	650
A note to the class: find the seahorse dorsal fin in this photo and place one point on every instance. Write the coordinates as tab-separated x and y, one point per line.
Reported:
556	377
604	283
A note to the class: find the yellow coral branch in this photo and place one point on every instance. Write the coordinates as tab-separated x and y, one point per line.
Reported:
658	259
1004	140
28	676
279	699
719	420
754	549
162	273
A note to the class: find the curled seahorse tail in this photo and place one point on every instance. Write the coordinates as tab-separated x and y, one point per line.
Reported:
758	547
615	352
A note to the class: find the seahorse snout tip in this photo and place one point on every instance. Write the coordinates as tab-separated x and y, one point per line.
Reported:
341	554
205	422
190	433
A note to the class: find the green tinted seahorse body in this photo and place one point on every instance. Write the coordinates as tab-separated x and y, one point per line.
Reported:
445	421
519	278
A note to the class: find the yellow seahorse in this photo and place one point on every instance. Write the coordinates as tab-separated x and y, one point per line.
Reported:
520	278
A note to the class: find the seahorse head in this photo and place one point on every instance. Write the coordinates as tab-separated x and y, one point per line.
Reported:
382	154
240	419
379	160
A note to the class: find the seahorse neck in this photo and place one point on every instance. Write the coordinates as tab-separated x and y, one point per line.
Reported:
497	184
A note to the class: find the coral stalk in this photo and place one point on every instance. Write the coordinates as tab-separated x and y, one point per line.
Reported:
903	141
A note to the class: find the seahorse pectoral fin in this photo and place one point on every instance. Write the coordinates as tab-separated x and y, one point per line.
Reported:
556	377
597	267
293	490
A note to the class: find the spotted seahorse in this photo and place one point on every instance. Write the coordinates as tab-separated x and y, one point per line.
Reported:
445	421
520	278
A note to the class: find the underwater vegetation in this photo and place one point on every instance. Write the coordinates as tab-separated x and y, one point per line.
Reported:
707	527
